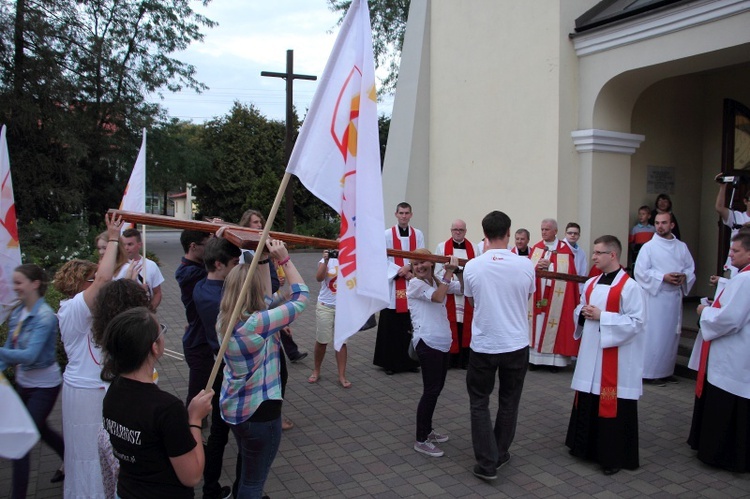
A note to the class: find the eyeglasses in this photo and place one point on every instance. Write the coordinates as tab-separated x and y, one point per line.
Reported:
163	328
602	252
573	233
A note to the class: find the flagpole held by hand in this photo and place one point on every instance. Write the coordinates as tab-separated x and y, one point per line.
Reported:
229	325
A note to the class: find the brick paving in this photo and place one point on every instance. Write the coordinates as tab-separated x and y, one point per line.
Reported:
358	442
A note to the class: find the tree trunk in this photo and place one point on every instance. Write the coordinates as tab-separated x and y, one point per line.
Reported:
18	55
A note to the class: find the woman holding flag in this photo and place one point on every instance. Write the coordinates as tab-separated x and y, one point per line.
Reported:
31	348
251	393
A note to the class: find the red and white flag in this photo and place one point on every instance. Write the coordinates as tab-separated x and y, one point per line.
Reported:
10	248
337	157
134	198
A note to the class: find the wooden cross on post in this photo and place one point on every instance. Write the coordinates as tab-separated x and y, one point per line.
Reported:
289	76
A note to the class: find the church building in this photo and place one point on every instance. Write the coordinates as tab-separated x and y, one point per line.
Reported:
579	110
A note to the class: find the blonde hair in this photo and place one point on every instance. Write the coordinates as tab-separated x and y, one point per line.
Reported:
253	301
122	257
72	275
424	251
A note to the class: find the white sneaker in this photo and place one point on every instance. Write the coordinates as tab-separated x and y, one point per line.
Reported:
428	448
437	437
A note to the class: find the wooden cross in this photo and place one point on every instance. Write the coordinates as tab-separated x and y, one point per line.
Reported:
289	76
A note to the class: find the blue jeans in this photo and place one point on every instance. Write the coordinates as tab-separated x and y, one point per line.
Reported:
491	444
39	402
258	444
434	369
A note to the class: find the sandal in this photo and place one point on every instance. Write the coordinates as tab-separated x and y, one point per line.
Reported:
313	378
345	384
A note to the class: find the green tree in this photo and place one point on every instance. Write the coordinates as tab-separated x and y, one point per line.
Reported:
247	151
175	154
74	79
384	126
388	19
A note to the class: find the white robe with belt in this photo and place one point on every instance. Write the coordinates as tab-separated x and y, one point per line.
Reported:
657	257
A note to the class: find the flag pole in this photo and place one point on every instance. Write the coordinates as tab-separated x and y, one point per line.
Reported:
229	326
145	274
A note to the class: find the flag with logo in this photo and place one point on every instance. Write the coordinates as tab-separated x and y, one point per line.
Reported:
10	248
337	157
134	198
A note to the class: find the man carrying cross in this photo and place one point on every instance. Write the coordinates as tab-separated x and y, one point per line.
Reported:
554	301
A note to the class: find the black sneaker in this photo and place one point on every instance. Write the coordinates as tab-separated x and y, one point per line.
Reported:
299	357
224	493
502	463
483	475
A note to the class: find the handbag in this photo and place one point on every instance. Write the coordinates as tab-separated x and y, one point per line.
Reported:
412	352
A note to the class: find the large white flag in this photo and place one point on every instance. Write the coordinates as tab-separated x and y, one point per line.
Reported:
18	433
134	198
10	249
337	157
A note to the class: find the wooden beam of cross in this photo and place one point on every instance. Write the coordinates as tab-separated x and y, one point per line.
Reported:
289	76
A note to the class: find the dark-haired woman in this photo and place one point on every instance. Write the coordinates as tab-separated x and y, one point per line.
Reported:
114	298
157	441
31	348
83	390
663	204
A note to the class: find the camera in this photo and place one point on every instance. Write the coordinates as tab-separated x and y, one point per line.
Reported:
731	179
333	254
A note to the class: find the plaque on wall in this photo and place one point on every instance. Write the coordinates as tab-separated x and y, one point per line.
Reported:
660	179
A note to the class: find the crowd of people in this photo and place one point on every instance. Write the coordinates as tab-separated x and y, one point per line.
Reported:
492	315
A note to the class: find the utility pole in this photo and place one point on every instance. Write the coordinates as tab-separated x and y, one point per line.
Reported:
289	76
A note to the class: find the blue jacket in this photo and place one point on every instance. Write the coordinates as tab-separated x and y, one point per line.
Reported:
36	345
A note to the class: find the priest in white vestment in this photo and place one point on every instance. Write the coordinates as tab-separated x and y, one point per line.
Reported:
666	271
607	379
394	324
721	417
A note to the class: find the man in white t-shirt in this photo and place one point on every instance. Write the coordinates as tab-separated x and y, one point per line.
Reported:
133	244
498	284
732	218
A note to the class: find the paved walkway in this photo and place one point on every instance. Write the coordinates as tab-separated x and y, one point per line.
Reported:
358	442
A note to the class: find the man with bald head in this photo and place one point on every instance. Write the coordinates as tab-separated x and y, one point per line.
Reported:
460	312
552	326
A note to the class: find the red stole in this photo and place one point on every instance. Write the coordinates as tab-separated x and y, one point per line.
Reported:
450	304
402	305
608	392
705	346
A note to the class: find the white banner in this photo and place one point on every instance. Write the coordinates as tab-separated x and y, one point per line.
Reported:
337	157
10	248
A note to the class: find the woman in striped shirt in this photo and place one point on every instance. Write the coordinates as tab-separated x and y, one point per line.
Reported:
251	393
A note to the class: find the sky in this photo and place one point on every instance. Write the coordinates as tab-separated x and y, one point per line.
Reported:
253	36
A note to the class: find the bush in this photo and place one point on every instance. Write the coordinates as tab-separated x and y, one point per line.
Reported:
51	244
